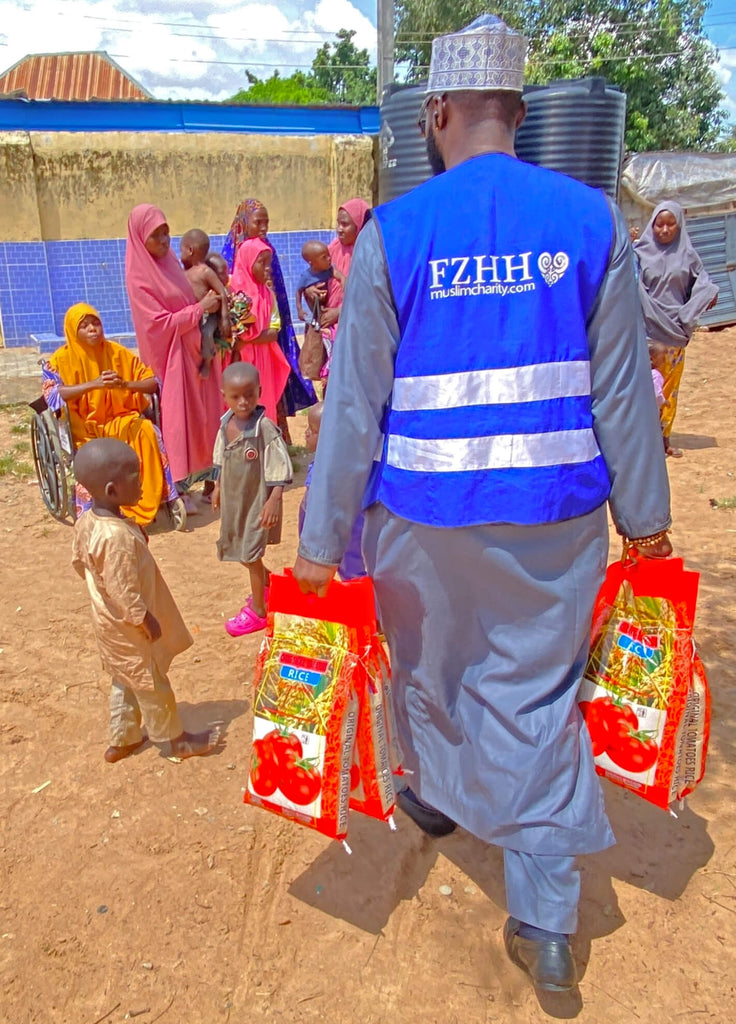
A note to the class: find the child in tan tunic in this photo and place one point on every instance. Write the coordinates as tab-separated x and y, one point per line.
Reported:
137	624
253	467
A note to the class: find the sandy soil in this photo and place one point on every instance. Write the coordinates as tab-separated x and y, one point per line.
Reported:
146	890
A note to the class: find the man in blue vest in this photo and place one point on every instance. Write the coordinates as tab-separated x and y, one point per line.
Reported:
490	392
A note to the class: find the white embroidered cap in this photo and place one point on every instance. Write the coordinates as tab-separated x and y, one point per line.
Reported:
486	54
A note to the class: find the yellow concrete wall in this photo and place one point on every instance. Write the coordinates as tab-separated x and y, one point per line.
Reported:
19	219
69	185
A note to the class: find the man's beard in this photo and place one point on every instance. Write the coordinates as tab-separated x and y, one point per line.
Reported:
434	156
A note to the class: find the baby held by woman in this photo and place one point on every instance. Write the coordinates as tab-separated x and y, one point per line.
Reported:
195	245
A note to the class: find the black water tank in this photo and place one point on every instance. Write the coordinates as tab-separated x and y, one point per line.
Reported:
402	152
575	126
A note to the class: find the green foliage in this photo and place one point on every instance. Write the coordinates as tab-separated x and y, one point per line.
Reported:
341	73
656	51
296	90
334	69
727	142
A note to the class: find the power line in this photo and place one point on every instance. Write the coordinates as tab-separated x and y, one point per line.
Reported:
416	39
416	67
250	63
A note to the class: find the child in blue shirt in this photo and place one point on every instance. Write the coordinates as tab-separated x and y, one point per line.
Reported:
319	271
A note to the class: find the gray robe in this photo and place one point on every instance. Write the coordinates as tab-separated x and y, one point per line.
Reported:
488	626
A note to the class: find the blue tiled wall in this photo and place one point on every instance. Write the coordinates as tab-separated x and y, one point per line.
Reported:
40	280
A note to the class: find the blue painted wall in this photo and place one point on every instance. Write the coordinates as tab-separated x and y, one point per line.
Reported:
40	280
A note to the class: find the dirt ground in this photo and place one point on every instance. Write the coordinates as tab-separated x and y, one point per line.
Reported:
146	890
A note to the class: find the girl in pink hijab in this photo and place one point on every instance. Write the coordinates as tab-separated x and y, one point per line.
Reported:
259	345
166	319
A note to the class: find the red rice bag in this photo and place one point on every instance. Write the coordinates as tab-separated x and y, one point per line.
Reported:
372	789
644	695
308	676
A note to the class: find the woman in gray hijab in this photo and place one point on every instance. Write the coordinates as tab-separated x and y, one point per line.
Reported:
674	290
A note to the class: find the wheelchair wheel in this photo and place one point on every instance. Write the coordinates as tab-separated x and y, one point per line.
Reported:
178	514
48	458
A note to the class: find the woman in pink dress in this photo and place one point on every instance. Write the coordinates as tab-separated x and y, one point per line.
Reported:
259	346
351	219
166	317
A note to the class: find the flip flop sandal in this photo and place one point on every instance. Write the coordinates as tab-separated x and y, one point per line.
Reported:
246	621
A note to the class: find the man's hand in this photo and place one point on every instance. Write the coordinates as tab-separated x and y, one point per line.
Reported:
216	496
312	577
151	627
663	549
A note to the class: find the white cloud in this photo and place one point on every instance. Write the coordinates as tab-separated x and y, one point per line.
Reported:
725	68
200	52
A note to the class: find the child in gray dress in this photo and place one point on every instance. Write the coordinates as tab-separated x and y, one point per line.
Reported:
252	466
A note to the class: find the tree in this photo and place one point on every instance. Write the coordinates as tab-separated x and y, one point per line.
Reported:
296	90
344	70
341	73
655	50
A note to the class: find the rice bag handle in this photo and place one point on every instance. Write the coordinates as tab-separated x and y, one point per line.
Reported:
665	577
350	603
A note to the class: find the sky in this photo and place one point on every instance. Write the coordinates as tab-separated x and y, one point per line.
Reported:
198	49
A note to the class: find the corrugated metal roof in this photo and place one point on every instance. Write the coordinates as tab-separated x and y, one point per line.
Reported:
71	76
715	240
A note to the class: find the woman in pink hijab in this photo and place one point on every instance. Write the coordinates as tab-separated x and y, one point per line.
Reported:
166	318
259	345
351	219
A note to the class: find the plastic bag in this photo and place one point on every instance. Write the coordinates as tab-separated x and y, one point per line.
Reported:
644	695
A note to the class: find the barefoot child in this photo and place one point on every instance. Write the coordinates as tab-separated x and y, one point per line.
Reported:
138	627
320	271
253	468
195	245
352	565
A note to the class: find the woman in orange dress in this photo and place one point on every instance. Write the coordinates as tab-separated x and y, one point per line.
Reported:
106	387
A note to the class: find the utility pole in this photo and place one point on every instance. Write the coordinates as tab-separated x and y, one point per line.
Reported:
385	26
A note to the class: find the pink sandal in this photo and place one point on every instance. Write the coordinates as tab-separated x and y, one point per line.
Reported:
246	621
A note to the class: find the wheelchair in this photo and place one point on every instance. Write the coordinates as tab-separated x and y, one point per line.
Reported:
53	454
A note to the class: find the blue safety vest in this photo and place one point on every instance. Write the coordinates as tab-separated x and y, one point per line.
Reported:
495	267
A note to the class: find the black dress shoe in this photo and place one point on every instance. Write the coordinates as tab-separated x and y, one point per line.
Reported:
548	963
429	819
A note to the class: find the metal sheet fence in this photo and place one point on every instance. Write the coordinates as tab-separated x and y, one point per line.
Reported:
715	240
